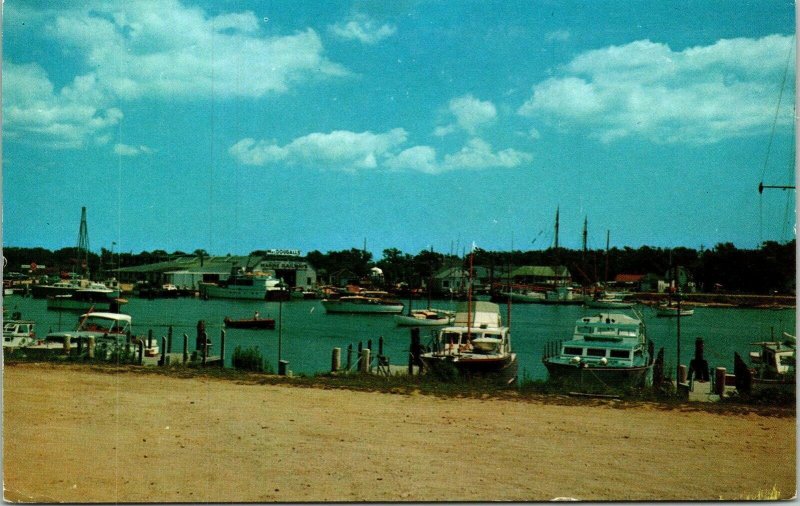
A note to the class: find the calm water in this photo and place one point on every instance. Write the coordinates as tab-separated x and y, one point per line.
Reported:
309	334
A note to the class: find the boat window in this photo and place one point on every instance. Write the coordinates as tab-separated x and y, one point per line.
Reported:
584	330
569	350
450	336
787	360
620	354
596	352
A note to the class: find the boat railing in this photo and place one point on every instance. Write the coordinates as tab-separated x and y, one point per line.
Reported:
552	349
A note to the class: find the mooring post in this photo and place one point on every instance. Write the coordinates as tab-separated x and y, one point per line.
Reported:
163	350
90	345
222	348
369	344
364	360
380	346
185	348
169	339
336	359
360	347
205	348
140	351
413	356
80	346
66	344
719	380
349	356
150	338
682	373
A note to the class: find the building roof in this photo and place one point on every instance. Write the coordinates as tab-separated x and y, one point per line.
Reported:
628	278
541	271
221	264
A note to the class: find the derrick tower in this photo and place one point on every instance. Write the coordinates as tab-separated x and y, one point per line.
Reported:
83	245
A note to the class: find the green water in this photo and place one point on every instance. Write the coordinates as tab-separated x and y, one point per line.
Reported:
309	334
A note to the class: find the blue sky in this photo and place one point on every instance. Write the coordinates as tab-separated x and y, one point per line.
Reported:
233	126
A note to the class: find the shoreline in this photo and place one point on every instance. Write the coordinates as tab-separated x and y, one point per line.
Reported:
199	438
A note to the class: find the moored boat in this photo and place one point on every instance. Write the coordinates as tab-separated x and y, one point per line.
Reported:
365	302
64	287
97	298
772	367
254	323
671	310
18	333
607	301
241	285
425	318
476	344
607	349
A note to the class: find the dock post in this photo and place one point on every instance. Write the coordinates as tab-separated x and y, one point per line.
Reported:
150	338
80	347
169	339
283	366
185	348
66	344
349	356
369	344
380	346
222	348
140	351
682	373
90	345
336	359
360	347
414	352
719	380
163	350
364	366
205	348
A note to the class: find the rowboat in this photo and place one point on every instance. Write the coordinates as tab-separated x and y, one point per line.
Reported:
250	323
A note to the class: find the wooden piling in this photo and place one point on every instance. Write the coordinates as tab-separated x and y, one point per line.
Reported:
150	338
719	380
380	346
185	348
283	367
67	344
222	348
169	339
140	351
364	365
414	352
205	348
682	373
80	347
360	347
336	359
369	344
90	345
349	356
163	350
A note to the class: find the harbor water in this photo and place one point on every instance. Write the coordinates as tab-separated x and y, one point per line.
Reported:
307	334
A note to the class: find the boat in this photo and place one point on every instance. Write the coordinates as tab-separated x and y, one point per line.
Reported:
425	318
254	323
110	331
607	349
560	295
241	285
368	301
772	367
476	344
64	287
607	301
670	310
523	296
18	333
95	298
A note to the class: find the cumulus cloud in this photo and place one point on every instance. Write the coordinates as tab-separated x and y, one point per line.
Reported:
341	149
177	51
699	95
363	29
126	150
353	151
470	114
72	118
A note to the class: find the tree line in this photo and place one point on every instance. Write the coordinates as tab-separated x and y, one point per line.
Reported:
767	269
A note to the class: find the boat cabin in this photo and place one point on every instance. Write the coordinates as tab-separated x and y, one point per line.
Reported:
105	323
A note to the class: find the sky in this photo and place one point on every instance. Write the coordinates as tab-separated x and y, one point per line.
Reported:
235	125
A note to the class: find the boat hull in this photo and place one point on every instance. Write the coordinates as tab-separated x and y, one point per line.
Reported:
614	377
413	321
502	368
667	313
268	324
236	292
606	304
339	306
67	303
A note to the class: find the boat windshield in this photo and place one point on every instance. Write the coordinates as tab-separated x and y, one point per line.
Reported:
96	324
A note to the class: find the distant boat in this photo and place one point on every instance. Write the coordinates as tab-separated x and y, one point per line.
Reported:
19	333
607	300
425	318
476	344
523	296
773	367
66	287
95	298
365	302
668	310
241	285
608	349
251	323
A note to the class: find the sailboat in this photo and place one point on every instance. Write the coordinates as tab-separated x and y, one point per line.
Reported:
424	317
476	344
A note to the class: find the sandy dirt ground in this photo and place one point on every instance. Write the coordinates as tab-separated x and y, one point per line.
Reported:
75	435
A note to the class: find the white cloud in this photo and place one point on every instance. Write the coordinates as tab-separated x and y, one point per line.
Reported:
341	149
470	113
176	51
352	151
33	110
699	95
363	29
126	150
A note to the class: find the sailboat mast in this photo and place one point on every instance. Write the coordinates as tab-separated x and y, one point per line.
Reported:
83	245
608	240
585	237
556	233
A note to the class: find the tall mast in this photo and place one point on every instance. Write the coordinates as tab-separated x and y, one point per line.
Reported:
608	239
83	245
585	236
556	234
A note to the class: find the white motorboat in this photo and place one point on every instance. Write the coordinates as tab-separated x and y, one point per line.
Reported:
19	333
365	302
241	285
425	318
